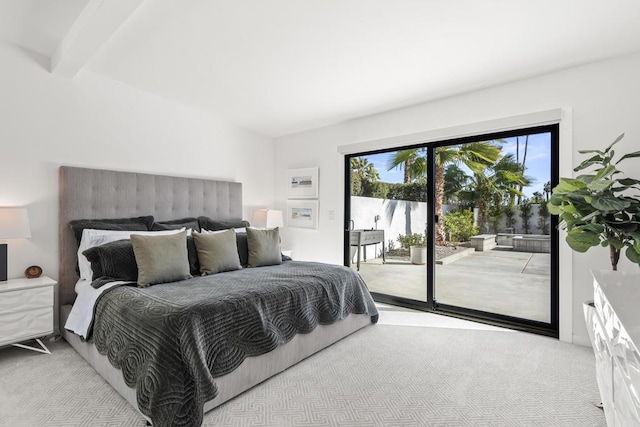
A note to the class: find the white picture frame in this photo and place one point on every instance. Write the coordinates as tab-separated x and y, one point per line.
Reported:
302	183
302	213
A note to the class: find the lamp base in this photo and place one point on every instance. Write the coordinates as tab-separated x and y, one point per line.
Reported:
3	262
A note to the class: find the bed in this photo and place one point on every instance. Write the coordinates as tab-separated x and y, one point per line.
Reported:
91	193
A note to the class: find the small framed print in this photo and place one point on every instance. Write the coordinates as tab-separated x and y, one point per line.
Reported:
302	213
302	183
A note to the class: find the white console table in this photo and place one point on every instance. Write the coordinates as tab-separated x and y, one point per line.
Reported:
615	334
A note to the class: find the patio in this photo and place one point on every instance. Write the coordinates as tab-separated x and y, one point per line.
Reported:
500	281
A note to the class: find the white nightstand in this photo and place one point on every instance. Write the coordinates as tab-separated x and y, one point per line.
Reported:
287	252
26	311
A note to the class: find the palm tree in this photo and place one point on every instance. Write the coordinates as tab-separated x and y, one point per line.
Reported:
413	162
495	184
363	175
455	180
547	190
474	155
524	159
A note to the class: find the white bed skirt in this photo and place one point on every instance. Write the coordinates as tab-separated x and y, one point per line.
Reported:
251	372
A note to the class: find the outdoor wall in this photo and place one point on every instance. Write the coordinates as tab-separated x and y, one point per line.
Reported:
91	121
604	100
396	217
405	217
518	223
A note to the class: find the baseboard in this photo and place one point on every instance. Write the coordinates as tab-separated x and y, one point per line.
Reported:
582	340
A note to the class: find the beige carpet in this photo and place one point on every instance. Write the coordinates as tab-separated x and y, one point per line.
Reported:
401	374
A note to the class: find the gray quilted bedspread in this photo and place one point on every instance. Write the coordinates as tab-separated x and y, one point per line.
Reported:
172	340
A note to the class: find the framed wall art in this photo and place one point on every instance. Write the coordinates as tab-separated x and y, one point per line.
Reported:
302	183
302	213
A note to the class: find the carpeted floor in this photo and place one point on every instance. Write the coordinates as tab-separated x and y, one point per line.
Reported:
398	373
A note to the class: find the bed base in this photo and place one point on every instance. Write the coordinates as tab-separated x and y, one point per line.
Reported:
251	372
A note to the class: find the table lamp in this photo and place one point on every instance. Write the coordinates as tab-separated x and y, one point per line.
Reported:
14	224
267	218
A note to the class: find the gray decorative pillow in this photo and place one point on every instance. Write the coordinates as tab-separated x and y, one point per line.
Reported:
264	247
207	223
113	260
243	248
176	224
161	259
217	252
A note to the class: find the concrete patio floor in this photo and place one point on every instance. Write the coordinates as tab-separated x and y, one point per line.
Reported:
498	281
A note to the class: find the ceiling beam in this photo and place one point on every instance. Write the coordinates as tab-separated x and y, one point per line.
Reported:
97	23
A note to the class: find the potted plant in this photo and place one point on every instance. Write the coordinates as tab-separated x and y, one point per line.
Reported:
600	207
417	247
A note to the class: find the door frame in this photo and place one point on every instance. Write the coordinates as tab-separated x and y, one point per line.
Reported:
432	305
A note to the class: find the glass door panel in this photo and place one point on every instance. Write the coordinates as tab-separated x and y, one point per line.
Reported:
493	252
387	220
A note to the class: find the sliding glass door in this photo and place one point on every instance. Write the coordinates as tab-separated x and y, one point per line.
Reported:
388	216
459	226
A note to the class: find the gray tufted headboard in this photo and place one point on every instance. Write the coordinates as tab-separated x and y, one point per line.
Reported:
93	193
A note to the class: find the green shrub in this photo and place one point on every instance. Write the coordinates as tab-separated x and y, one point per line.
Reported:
543	218
380	190
526	214
414	192
459	225
510	216
495	213
414	239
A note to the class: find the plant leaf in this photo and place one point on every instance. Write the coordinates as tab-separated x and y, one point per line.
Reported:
633	255
606	150
629	156
629	181
568	185
609	203
590	216
600	185
590	151
594	228
616	243
597	159
582	241
554	209
605	172
587	178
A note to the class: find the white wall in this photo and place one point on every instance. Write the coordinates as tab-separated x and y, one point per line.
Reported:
90	121
395	216
604	99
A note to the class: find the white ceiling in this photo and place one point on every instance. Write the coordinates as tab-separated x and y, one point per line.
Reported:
283	66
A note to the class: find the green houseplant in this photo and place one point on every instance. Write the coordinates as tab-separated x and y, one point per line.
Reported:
601	206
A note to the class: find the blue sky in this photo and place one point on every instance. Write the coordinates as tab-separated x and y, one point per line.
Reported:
538	161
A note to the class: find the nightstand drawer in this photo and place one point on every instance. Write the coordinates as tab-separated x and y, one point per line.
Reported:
27	299
15	327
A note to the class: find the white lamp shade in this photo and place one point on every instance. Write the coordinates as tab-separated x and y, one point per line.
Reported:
14	223
267	218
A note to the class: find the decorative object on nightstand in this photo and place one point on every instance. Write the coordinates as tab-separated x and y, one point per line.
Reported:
267	218
26	311
33	272
14	224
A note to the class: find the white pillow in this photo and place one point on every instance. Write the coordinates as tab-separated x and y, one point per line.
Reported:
237	230
81	283
92	237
